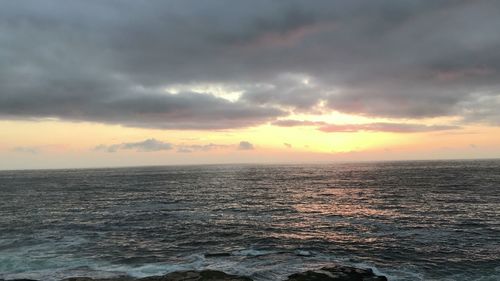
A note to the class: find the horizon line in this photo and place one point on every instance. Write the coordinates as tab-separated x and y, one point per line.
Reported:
251	163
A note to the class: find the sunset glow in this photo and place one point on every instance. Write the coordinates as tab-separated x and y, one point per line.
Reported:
84	93
60	143
249	140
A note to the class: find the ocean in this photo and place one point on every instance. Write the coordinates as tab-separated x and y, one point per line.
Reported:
413	220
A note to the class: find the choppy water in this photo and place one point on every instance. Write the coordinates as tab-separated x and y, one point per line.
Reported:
409	220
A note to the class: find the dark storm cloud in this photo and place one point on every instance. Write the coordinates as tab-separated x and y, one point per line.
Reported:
139	109
108	61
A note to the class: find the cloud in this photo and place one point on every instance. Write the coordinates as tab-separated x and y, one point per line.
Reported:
294	123
482	108
87	61
373	127
287	145
107	148
26	149
154	145
165	111
197	147
296	91
244	145
148	145
386	127
184	150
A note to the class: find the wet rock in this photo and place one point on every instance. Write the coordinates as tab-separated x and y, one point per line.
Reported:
120	278
205	275
214	255
337	273
334	272
124	278
78	279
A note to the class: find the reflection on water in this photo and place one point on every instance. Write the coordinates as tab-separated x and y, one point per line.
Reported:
411	220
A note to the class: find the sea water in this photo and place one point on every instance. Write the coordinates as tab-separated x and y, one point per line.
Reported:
422	220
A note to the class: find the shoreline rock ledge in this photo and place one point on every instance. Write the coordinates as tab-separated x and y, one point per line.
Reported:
337	273
331	273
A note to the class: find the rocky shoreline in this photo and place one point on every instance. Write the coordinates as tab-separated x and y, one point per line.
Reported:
335	272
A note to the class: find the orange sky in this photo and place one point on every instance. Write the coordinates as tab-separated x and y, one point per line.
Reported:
57	144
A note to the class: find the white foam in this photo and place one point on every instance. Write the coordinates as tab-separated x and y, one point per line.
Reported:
303	253
245	262
253	252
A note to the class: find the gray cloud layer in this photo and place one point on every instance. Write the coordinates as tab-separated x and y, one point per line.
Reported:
385	127
109	61
373	127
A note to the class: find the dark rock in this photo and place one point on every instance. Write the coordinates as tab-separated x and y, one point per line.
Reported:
213	255
119	278
205	275
337	273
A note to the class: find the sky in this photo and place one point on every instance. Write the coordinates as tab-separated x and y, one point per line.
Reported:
103	83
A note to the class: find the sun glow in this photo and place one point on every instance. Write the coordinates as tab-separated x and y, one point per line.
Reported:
54	143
